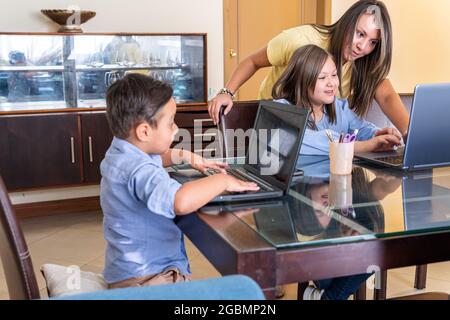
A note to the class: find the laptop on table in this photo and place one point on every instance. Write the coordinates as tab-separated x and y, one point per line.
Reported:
271	157
428	140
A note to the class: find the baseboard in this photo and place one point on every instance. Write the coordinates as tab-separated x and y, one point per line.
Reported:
46	208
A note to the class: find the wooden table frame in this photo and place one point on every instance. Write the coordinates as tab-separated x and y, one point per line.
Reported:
234	248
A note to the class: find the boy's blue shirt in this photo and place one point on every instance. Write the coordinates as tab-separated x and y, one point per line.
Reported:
137	198
317	143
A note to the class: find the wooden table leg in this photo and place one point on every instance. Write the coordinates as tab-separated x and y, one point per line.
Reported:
380	294
360	294
301	289
270	293
421	277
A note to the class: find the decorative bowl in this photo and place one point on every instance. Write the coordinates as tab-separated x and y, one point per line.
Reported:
69	20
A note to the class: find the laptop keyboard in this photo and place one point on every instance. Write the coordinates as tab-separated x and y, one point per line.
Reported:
395	160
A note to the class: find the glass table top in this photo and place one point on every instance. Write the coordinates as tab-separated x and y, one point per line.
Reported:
368	204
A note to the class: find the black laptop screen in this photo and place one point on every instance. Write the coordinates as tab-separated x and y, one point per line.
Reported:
274	143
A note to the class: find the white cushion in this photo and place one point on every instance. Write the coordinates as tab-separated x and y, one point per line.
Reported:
62	281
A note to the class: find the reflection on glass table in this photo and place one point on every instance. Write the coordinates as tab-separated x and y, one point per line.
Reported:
370	203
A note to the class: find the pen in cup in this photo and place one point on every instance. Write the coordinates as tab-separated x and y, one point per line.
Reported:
329	135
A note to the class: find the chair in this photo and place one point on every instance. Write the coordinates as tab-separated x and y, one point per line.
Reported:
16	259
22	284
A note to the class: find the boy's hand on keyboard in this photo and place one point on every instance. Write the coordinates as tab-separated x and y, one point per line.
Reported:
202	164
236	185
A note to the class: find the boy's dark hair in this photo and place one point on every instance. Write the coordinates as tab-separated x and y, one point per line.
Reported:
134	99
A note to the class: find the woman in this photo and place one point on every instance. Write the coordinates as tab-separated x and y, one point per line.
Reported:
363	61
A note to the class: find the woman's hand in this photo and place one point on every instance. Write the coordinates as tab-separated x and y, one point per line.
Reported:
214	106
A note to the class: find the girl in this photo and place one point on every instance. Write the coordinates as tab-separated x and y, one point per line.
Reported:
310	81
361	45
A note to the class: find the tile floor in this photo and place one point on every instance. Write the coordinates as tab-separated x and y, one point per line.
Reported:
77	239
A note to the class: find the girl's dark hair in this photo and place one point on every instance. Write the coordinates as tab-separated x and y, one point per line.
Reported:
369	71
370	216
298	81
134	99
303	214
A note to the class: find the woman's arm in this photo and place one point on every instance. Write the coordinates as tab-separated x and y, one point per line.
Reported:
244	71
392	106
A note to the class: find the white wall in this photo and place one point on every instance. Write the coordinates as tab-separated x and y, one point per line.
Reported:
421	40
171	16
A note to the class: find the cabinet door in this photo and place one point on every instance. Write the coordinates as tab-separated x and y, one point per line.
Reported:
97	138
40	151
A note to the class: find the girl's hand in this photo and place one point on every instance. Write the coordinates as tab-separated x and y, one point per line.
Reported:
216	104
390	131
385	142
202	164
236	185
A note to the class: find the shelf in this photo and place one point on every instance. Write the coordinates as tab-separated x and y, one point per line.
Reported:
79	68
83	68
32	68
108	67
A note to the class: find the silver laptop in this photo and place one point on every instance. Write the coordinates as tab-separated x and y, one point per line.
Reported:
272	154
428	140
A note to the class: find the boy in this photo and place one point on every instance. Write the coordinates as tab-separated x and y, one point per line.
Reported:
138	198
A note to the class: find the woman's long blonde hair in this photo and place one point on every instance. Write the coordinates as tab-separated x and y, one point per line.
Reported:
299	79
369	71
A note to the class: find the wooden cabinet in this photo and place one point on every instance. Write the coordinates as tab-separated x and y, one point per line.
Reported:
96	138
52	149
63	149
200	131
40	150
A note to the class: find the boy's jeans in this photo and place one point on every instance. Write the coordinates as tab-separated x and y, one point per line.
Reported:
168	276
341	288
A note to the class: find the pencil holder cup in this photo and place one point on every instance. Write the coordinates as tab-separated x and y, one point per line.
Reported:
341	158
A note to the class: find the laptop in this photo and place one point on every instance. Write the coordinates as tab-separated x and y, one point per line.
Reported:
271	157
428	134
